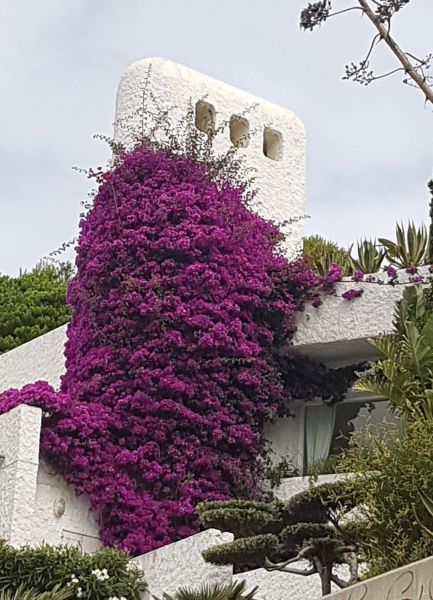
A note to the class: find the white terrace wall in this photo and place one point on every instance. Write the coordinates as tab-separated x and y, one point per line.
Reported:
413	582
182	565
280	176
36	505
41	359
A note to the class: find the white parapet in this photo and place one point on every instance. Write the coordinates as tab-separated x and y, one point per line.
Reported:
412	582
41	359
337	331
272	138
36	505
181	565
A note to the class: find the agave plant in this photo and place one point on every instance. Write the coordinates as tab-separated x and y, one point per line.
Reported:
322	254
22	593
370	257
231	591
410	249
404	374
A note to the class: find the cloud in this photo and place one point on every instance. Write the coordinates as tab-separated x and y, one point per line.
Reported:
369	149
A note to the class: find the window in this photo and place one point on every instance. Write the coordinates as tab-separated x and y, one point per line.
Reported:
272	144
205	117
328	429
239	131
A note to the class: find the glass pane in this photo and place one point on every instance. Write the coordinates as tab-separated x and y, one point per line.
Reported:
355	416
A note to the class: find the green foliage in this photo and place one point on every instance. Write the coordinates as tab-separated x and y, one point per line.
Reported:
389	467
231	591
322	254
42	569
32	304
311	525
410	249
21	593
369	258
404	375
428	505
273	474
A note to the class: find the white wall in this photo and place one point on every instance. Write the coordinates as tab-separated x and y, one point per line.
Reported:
412	582
40	359
31	493
280	183
76	527
181	564
284	586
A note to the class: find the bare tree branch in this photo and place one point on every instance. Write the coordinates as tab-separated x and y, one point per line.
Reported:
270	566
394	47
340	582
380	13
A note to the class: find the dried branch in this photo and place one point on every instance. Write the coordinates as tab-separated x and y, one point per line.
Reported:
380	13
340	582
384	13
283	566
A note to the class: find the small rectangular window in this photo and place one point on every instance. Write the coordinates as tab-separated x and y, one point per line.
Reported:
205	117
239	131
272	144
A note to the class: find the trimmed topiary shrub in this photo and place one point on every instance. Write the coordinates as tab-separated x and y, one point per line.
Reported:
32	304
105	574
312	526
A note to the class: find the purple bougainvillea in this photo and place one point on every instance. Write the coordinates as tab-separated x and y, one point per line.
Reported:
181	303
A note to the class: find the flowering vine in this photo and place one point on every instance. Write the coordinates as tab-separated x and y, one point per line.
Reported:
181	305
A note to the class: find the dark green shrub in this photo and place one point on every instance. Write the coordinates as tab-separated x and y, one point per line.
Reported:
33	304
390	466
100	576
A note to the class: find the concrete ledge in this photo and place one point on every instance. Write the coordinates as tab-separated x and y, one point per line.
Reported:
291	486
337	331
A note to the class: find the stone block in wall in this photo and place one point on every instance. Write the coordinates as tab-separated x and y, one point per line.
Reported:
181	564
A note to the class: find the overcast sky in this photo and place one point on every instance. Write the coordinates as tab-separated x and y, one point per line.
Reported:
370	150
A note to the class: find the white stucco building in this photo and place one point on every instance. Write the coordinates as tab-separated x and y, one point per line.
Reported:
35	504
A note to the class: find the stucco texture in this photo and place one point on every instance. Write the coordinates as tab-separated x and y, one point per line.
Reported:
40	359
30	492
412	582
181	564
